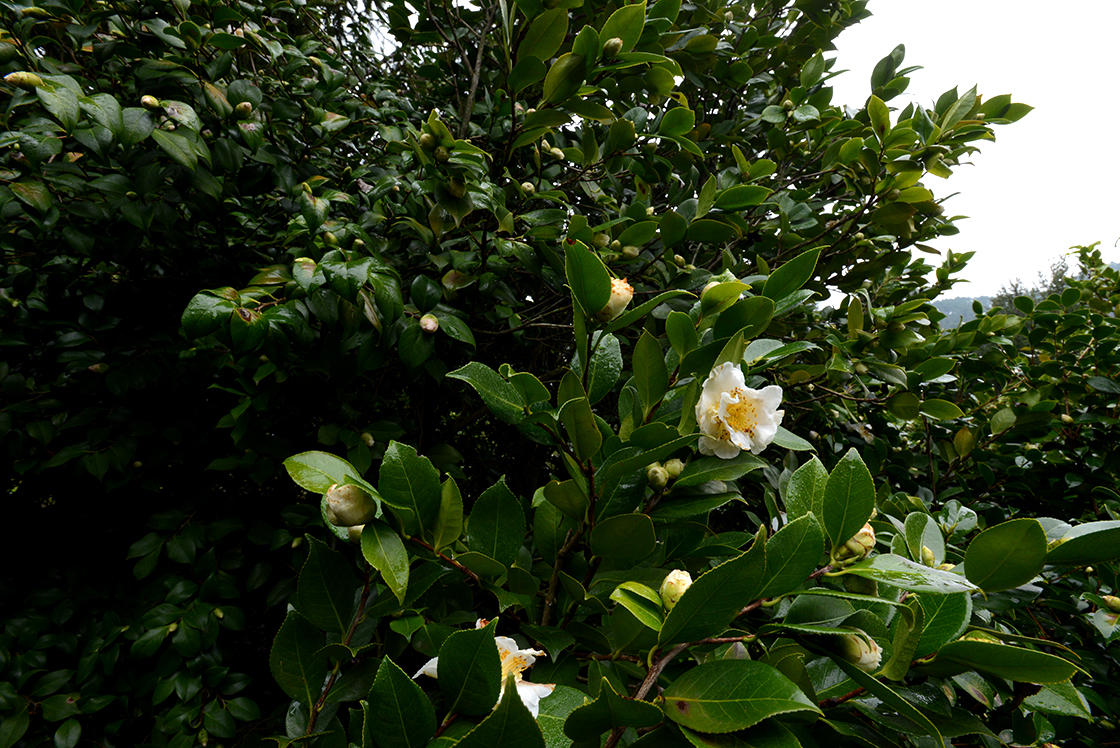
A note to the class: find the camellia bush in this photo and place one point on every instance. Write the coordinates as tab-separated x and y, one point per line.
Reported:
601	338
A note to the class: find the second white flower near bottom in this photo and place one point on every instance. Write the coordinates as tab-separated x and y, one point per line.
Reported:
514	661
734	417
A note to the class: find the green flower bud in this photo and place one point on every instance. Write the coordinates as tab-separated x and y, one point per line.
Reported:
630	251
528	189
600	241
1112	602
442	154
612	47
368	439
927	556
244	110
24	80
429	323
679	261
354	533
675	467
858	547
657	476
675	585
428	141
1067	418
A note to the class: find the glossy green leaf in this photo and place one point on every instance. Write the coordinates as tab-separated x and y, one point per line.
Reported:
568	497
554	711
1007	555
178	148
410	484
1088	543
587	277
296	659
449	520
805	491
751	316
470	670
677	122
496	525
902	572
563	79
944	619
626	24
728	695
642	601
792	275
384	551
651	377
741	196
1060	698
498	394
578	418
849	499
624	537
681	331
606	366
608	711
706	469
318	471
1003	661
921	531
397	713
325	593
889	697
880	117
940	410
792	555
510	725
545	35
716	597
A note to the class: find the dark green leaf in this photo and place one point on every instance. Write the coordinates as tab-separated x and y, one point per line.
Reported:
325	593
410	484
609	710
496	526
498	394
397	713
728	695
715	468
625	537
384	551
470	671
849	499
891	569
792	275
792	555
1089	543
1007	555
296	660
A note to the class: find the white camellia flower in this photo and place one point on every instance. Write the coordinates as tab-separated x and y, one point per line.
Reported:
514	661
621	294
734	417
861	650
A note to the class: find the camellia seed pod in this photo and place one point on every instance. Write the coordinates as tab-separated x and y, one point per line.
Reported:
442	154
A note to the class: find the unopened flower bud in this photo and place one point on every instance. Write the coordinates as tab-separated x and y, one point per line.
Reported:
244	110
1067	418
368	439
429	323
150	102
927	556
621	293
657	476
219	613
172	627
673	587
675	467
679	261
630	251
24	80
612	46
861	585
528	188
355	533
442	154
859	546
1112	602
860	649
946	567
600	241
350	506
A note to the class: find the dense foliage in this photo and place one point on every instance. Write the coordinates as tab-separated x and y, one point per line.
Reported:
402	262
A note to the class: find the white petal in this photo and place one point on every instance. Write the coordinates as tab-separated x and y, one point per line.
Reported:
429	669
532	693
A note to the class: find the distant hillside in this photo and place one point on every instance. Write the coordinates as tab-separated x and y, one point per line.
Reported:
959	309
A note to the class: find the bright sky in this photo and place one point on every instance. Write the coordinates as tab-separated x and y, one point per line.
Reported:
1049	181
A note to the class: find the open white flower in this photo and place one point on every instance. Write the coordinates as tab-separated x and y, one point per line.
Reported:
514	661
621	294
734	417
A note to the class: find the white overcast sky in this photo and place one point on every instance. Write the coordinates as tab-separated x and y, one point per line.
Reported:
1049	181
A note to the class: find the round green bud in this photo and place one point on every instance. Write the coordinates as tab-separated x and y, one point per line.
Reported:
244	110
679	261
23	79
600	241
528	188
657	476
428	141
612	47
787	105
442	154
630	251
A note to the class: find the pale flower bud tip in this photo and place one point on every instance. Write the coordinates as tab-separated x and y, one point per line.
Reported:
859	546
657	476
429	323
675	585
621	294
861	650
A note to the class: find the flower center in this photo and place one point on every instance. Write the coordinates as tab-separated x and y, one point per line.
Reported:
743	415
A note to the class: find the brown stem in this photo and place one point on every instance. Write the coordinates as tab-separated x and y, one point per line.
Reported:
828	703
550	598
447	559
